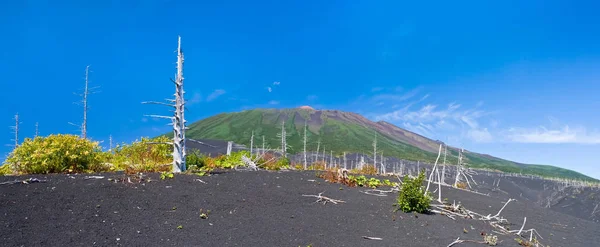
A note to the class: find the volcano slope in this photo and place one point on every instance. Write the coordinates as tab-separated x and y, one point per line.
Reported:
249	209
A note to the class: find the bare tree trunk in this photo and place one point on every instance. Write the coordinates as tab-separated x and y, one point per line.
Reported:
317	154
16	130
331	159
110	143
345	167
433	170
179	123
305	129
178	119
283	140
444	165
375	150
382	164
263	146
458	168
229	147
85	94
36	130
251	143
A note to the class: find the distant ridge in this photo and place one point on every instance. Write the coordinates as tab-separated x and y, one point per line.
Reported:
340	131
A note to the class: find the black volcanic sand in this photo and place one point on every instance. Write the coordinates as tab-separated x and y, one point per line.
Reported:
249	209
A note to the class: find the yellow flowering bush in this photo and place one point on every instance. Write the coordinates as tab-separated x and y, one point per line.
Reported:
146	155
56	154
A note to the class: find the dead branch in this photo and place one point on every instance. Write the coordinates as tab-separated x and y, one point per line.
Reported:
324	199
26	181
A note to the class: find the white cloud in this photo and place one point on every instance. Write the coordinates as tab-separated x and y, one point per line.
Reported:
214	95
273	102
144	120
561	135
479	135
431	120
269	89
276	83
397	97
197	98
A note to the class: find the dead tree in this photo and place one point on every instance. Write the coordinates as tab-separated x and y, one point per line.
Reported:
462	170
16	130
84	101
283	135
229	147
317	154
36	130
375	150
432	172
178	119
85	95
330	158
251	143
345	167
305	129
382	164
263	146
444	165
110	143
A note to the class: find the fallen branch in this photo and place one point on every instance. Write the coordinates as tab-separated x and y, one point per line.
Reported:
372	238
324	199
380	192
26	181
458	241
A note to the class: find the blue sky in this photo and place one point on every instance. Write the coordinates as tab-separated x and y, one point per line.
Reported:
515	79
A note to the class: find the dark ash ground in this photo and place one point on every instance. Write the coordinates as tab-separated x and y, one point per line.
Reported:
250	209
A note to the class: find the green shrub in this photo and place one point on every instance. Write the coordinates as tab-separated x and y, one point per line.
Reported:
146	155
195	160
412	197
359	180
56	154
374	183
5	170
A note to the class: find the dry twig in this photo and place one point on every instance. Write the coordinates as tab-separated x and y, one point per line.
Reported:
324	199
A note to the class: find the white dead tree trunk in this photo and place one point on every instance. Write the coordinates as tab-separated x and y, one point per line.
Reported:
330	158
85	94
84	101
263	146
361	164
444	165
458	168
178	119
317	154
110	143
16	130
433	170
382	164
229	147
345	167
251	143
375	150
461	170
284	144
36	130
305	129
